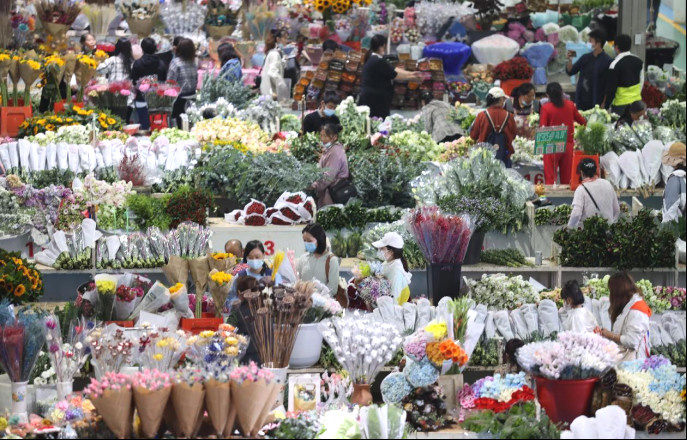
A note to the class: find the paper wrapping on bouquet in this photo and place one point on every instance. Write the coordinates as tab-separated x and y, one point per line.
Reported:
539	19
538	55
24	148
495	49
187	402
176	270
219	32
217	403
151	406
199	272
219	293
252	403
124	309
117	411
27	74
549	322
142	28
56	30
179	300
454	55
69	64
83	73
157	296
224	265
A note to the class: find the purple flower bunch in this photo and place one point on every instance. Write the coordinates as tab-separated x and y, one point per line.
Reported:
372	288
654	362
676	296
416	346
518	32
46	202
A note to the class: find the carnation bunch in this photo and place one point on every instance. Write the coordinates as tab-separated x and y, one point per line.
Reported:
110	381
573	356
251	373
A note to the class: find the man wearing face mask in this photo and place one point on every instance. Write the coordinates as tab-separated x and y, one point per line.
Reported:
314	122
394	266
593	69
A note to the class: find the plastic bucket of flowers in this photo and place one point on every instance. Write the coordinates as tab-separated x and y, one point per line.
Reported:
565	400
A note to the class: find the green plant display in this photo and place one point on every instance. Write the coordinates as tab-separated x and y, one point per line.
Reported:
189	204
674	352
505	257
149	211
638	242
215	87
307	148
593	138
486	353
558	216
520	421
354	215
383	178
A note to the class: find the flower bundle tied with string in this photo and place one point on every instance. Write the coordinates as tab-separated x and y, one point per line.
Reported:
68	357
273	318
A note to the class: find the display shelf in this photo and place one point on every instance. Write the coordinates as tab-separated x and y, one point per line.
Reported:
47	270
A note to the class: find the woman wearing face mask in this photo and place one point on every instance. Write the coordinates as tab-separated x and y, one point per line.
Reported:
272	72
575	316
633	112
333	160
317	263
254	257
523	104
377	87
395	267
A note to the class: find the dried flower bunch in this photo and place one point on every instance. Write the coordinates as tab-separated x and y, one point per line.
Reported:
57	11
274	315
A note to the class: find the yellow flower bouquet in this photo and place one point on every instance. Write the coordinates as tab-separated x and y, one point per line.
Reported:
219	283
85	70
221	261
29	71
20	282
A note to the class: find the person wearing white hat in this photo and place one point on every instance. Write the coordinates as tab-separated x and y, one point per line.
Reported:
395	267
496	126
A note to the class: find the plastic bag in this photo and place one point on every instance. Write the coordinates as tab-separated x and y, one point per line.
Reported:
631	164
495	49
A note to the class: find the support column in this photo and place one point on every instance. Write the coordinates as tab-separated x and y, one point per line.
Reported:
632	21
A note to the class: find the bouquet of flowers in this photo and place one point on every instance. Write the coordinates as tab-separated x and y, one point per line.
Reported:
110	349
220	109
574	356
502	292
497	393
129	293
515	68
157	296
371	288
658	392
70	410
524	151
112	95
673	114
231	130
140	15
112	397
187	397
676	296
463	115
323	307
160	349
456	149
442	238
21	341
219	283
151	393
183	18
290	209
361	345
273	317
159	96
106	286
419	147
68	357
253	391
19	280
263	111
216	353
57	15
29	71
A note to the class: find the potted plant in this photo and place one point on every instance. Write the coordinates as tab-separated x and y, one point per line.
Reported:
566	371
308	345
513	73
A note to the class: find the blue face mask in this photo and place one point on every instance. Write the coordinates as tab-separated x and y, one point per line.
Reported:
255	264
310	247
327	145
329	112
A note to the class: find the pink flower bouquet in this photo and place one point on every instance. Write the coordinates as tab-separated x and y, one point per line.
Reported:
442	238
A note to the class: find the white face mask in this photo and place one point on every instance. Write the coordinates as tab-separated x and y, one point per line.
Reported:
381	255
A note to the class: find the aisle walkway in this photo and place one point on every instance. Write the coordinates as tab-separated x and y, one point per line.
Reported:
668	28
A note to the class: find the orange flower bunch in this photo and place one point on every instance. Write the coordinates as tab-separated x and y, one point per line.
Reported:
434	354
452	351
20	282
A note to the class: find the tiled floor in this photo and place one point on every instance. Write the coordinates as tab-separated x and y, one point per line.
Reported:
667	28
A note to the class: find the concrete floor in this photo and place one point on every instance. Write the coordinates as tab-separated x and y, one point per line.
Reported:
668	28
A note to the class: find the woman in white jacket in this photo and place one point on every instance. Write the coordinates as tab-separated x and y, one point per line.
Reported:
575	316
630	317
272	73
395	267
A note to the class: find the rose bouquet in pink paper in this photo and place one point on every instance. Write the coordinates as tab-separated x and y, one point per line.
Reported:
443	238
159	95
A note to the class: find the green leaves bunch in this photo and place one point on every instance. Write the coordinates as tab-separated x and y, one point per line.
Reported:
520	421
383	178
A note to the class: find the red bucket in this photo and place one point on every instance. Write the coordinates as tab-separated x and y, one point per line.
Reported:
565	400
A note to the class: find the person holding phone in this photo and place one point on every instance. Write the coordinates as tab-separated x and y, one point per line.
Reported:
593	69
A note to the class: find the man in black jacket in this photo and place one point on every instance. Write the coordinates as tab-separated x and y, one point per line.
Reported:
147	66
625	77
593	70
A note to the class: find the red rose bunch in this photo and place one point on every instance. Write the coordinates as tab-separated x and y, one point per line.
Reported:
652	96
515	68
524	395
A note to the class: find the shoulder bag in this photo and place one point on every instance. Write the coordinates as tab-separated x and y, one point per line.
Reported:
341	294
342	191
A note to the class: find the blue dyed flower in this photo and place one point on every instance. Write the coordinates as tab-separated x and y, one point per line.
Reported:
395	387
421	374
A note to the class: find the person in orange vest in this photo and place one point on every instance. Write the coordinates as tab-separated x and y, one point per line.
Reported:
630	318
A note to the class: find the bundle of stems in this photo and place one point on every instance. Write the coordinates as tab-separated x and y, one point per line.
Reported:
273	317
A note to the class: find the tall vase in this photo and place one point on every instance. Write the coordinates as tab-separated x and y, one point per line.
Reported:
280	375
361	394
307	348
19	396
64	389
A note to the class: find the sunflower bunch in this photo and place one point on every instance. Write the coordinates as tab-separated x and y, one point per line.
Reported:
20	282
335	6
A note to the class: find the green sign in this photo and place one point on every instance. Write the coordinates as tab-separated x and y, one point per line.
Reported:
551	140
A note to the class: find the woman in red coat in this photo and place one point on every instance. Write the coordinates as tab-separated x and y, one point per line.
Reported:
559	111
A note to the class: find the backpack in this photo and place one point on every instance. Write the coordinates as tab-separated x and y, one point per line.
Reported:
497	137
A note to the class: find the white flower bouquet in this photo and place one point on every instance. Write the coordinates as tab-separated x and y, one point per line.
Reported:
502	292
